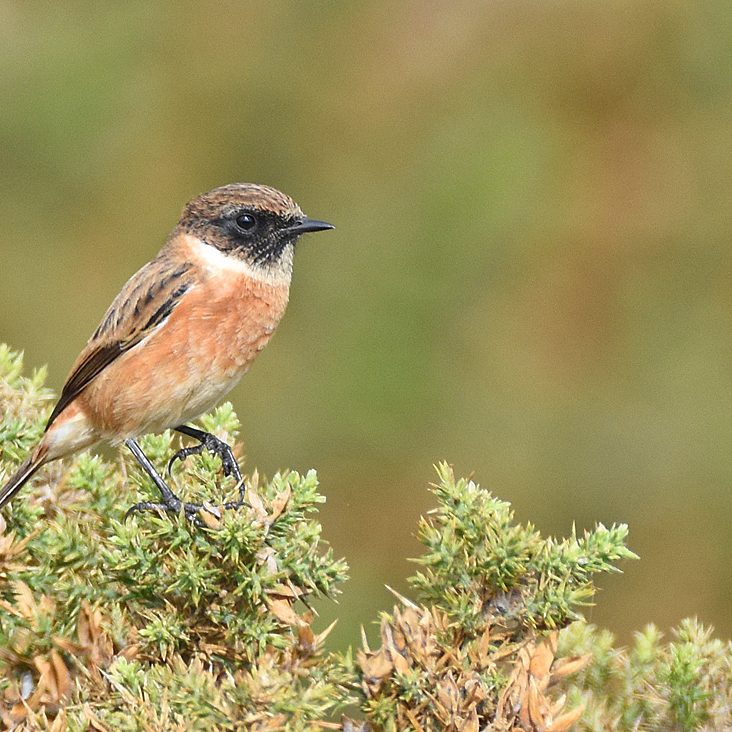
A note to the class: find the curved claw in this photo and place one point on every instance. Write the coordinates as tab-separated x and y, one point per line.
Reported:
212	444
182	454
228	462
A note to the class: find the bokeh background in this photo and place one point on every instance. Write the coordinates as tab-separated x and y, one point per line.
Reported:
531	276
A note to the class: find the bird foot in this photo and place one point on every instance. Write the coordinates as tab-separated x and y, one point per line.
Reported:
172	505
215	446
192	511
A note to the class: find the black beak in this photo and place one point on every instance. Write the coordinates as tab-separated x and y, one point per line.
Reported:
305	224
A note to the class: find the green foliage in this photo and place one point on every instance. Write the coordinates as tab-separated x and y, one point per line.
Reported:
478	560
491	590
159	623
23	405
685	684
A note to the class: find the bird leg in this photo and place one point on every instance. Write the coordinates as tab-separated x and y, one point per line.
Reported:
170	502
215	446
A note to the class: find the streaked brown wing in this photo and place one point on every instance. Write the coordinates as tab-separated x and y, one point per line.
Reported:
144	302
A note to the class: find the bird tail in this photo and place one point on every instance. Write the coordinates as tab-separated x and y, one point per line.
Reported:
23	474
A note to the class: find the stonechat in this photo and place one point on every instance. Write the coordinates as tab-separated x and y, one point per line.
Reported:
180	334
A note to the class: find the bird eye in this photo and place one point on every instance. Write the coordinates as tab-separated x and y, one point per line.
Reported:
246	222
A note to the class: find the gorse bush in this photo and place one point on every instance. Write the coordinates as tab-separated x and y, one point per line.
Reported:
154	622
160	623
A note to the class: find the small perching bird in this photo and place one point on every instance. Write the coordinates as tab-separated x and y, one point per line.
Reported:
181	333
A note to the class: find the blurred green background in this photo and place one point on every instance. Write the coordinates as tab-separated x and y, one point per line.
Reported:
531	275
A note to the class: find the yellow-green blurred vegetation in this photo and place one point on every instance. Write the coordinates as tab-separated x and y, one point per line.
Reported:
531	275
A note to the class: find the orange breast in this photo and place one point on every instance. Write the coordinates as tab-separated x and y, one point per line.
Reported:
191	361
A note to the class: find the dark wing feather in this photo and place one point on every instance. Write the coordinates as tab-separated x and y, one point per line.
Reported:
144	302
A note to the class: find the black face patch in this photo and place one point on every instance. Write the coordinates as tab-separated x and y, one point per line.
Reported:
260	235
257	236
